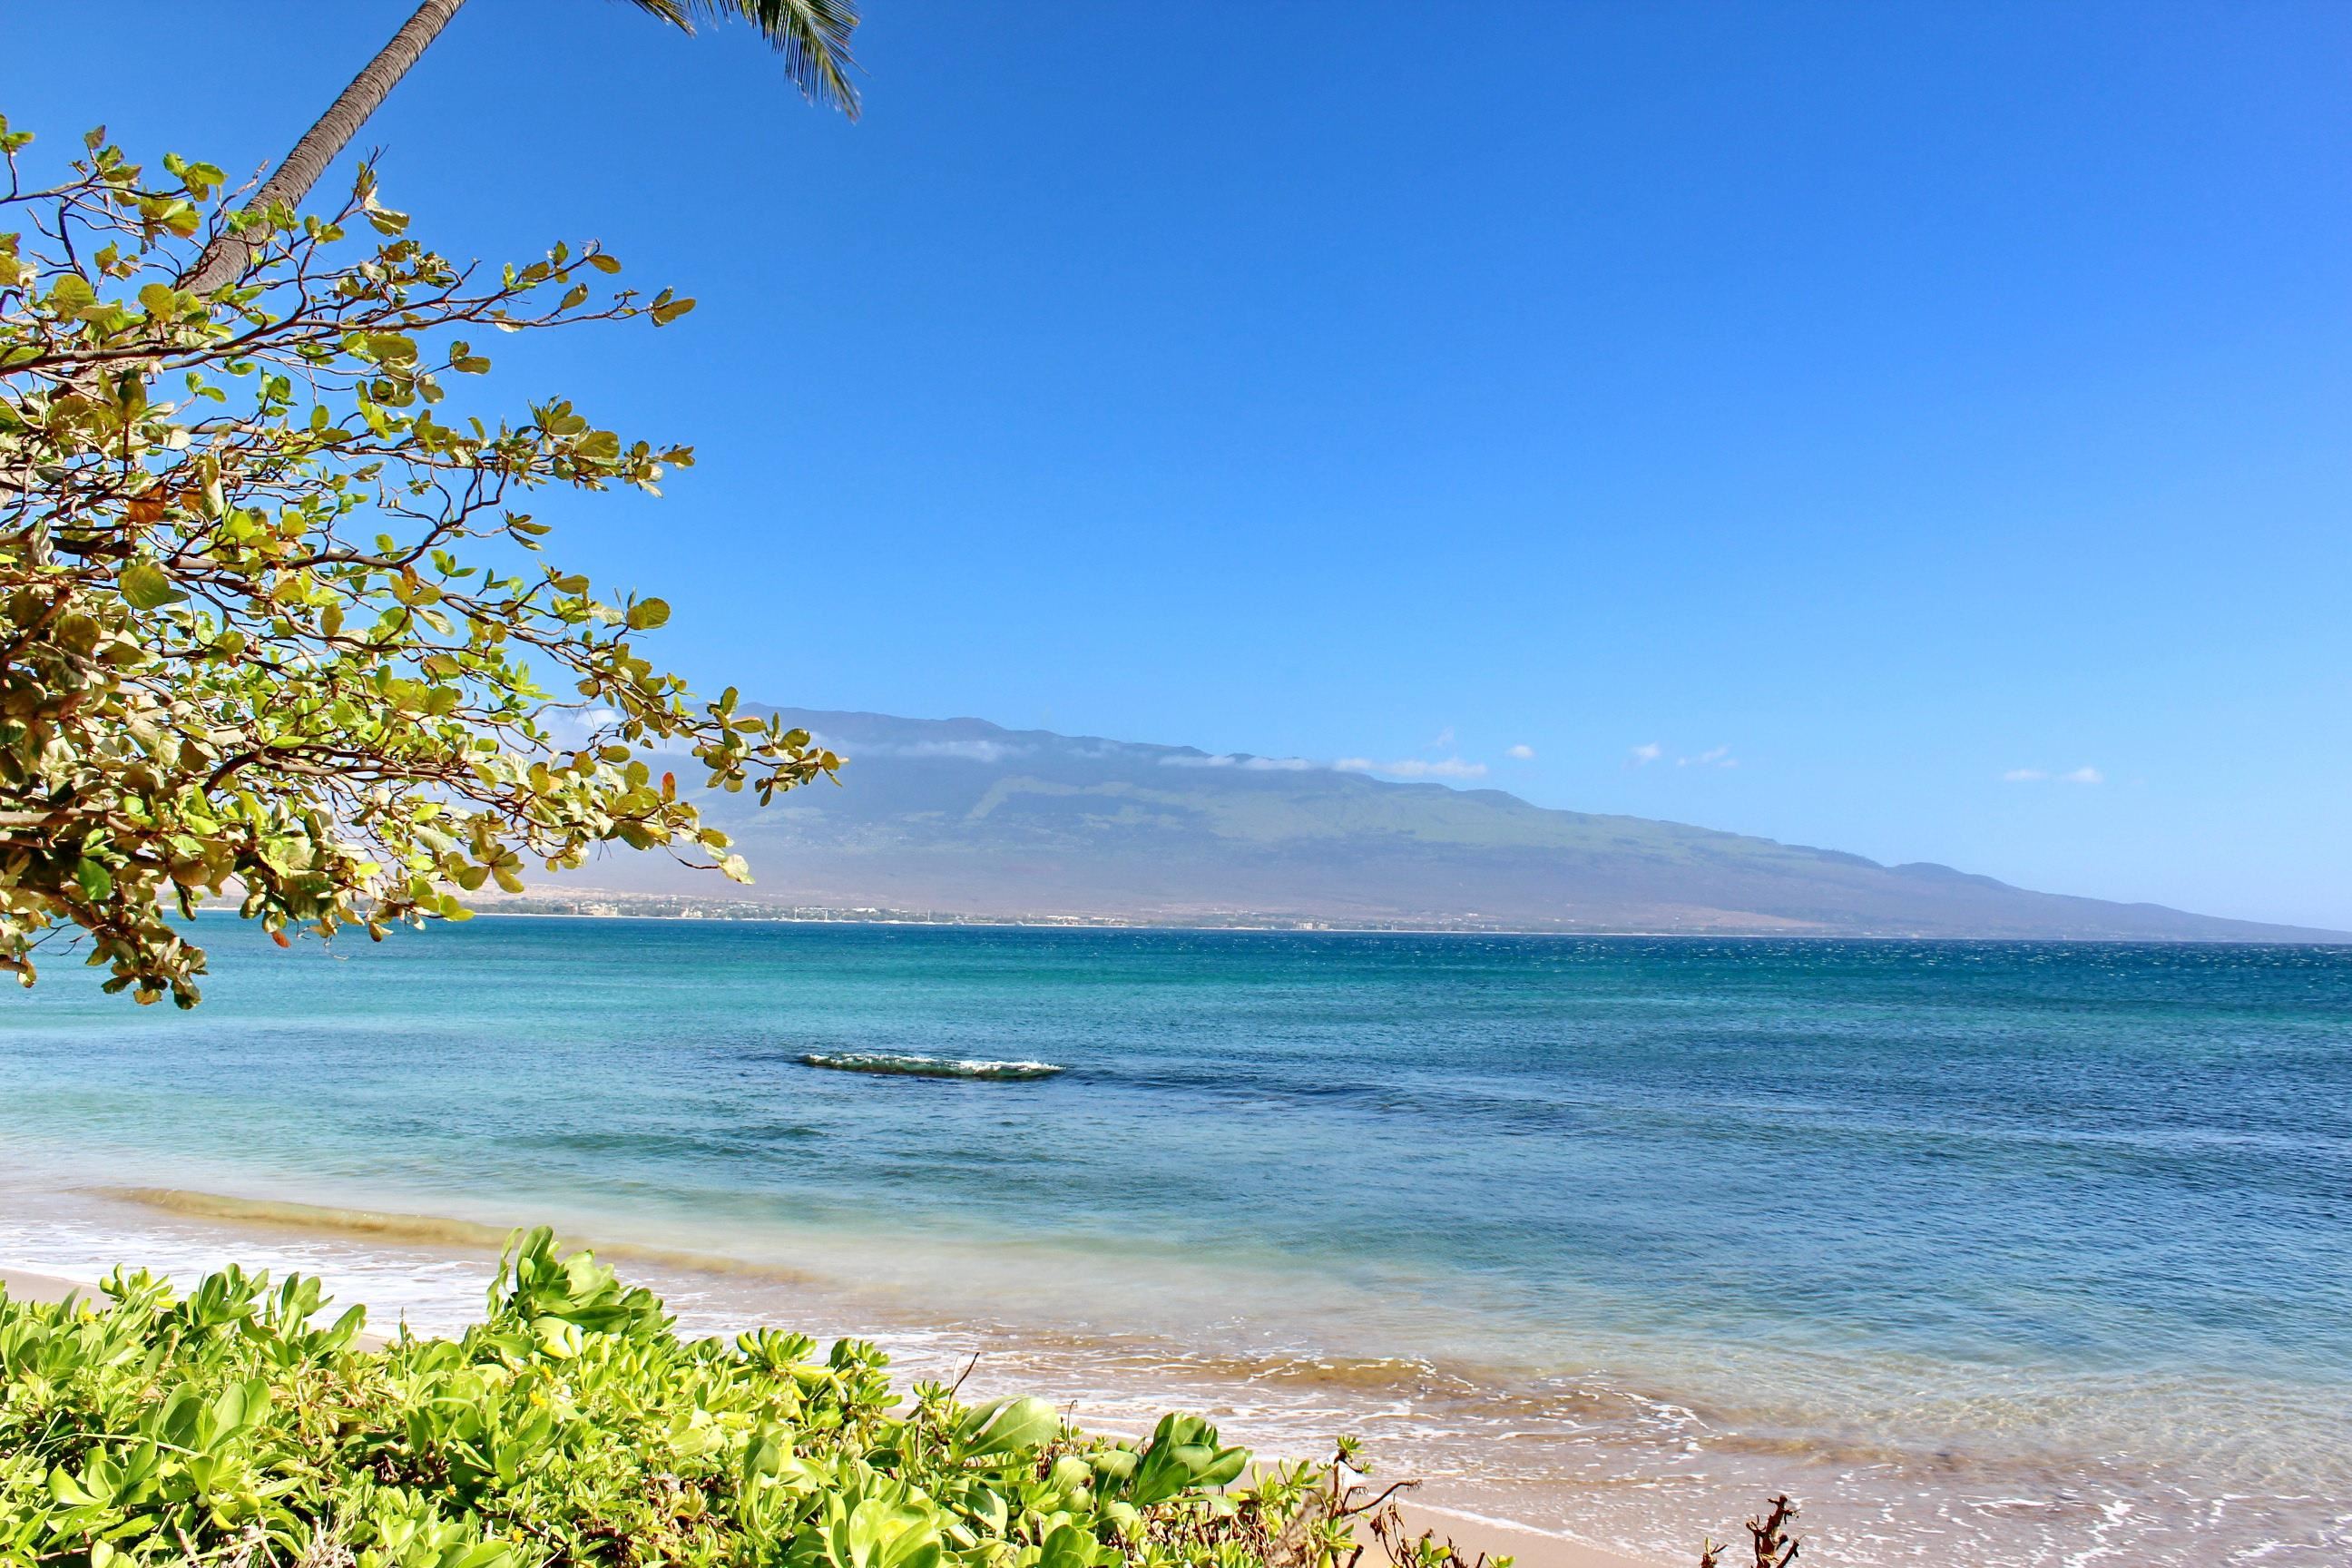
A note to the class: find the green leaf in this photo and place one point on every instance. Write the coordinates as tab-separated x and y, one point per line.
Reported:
1008	1427
67	1490
93	878
72	294
648	614
1071	1547
144	586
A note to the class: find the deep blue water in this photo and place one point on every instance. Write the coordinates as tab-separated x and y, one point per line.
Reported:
2038	1205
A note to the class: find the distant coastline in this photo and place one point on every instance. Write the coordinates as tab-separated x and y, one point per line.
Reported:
601	904
961	822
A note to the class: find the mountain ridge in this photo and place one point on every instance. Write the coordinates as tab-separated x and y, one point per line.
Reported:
965	817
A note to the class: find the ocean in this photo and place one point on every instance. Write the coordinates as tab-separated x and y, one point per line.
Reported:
1990	1252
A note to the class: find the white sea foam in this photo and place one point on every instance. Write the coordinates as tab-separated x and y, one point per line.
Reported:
890	1064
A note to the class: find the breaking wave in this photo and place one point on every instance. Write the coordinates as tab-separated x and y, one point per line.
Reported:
888	1065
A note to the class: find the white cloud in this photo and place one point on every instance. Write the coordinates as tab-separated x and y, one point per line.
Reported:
1643	755
963	750
1414	768
1255	764
1521	753
1445	739
576	727
2082	775
968	751
1714	757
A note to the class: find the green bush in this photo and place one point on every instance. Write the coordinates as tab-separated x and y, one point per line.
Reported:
575	1427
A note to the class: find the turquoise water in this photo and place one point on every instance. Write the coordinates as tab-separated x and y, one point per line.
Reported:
2039	1251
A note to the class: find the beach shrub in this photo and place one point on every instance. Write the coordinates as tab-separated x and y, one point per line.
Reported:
272	621
574	1427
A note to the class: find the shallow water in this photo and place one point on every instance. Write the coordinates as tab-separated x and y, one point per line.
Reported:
2001	1252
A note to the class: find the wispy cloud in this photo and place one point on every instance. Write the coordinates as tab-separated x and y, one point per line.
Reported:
577	726
1642	756
2082	775
1414	768
1445	739
1521	753
1714	757
1235	760
960	751
965	751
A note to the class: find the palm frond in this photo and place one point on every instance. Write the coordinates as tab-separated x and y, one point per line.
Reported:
812	35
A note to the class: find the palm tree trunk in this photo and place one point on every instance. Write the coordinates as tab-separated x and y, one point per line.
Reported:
227	256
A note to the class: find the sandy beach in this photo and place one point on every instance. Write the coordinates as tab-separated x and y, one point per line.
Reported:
1472	1535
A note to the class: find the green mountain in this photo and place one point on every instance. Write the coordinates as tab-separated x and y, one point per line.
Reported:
960	817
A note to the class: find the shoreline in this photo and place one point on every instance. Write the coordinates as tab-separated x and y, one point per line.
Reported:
952	922
1472	1534
948	921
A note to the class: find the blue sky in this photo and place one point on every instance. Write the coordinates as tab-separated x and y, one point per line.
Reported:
1912	405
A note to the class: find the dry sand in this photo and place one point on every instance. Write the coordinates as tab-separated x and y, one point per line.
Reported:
40	1286
1532	1548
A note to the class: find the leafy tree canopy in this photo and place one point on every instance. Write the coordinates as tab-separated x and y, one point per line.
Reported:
270	625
